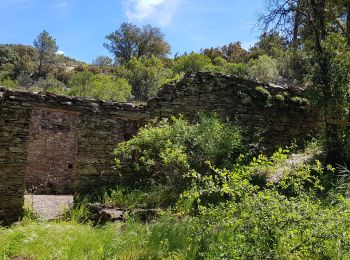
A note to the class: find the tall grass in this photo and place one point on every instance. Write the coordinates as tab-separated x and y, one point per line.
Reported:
71	240
58	241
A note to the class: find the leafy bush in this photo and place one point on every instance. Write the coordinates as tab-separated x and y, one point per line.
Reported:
267	224
236	69
195	62
223	66
146	76
241	220
6	81
101	86
307	178
261	172
166	152
191	63
295	67
49	84
264	69
109	88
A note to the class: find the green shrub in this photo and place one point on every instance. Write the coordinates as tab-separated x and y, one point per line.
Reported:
6	81
240	220
191	63
224	185
306	178
236	69
106	87
268	225
223	66
264	69
10	84
166	152
146	76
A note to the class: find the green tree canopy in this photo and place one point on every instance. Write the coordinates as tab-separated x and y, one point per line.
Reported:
271	44
146	75
105	87
132	41
7	55
264	69
310	24
190	63
47	47
102	61
232	52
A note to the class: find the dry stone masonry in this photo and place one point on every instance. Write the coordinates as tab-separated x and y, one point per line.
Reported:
61	145
58	145
14	132
274	116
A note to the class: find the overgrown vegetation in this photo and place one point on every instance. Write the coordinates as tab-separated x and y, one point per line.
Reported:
168	152
215	203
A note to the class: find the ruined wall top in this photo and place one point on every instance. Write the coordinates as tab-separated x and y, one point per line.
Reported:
225	94
48	100
273	116
197	84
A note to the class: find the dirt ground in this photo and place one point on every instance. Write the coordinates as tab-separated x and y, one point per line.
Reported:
49	207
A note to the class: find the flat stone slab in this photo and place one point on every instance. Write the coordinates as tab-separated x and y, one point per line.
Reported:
49	207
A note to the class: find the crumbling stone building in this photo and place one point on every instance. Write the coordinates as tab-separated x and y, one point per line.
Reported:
53	144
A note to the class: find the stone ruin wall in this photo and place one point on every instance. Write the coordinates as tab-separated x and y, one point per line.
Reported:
60	145
273	116
14	131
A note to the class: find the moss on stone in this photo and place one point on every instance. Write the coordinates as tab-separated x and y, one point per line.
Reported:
263	91
280	97
300	101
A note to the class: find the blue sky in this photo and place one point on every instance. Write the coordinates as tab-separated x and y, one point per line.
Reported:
80	26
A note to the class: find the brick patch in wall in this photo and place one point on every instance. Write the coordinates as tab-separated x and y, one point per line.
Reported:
51	151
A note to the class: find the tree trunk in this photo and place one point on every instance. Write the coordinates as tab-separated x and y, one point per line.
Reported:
41	60
319	22
323	79
348	23
297	17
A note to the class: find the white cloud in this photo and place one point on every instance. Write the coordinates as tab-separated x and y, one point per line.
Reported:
59	52
159	11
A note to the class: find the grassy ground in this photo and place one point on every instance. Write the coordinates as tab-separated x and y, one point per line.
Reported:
294	218
68	240
71	240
